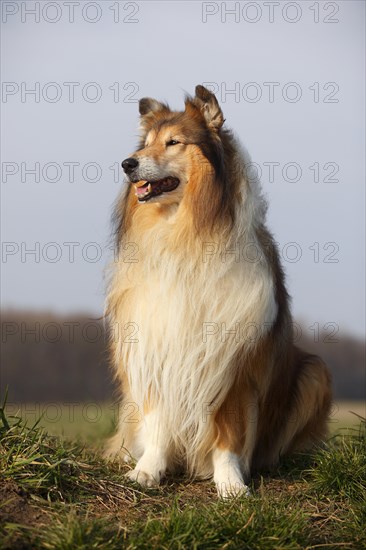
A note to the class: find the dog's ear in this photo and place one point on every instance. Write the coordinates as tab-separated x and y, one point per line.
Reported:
150	110
148	105
209	107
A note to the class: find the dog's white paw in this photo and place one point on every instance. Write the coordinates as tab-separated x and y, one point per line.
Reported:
229	489
228	477
145	479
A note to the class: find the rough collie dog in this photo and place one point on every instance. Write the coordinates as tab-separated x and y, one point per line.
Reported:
204	353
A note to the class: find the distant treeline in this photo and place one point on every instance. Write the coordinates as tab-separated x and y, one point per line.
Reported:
46	358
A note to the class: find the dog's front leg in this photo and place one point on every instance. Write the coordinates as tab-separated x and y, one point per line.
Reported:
152	465
236	422
228	476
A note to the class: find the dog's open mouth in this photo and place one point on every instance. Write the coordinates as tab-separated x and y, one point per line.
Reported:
146	190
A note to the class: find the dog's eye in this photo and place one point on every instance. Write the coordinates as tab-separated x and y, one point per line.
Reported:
172	142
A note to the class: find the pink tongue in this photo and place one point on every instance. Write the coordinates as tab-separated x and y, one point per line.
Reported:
142	190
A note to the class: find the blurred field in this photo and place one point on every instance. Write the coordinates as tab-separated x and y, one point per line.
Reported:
345	414
95	421
83	421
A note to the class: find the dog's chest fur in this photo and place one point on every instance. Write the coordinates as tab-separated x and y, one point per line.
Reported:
190	310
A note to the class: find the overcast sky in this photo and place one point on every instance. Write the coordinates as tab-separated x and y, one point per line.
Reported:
296	71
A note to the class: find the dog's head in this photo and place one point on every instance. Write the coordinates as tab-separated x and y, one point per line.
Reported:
175	146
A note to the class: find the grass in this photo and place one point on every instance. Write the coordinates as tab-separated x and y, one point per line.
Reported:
56	493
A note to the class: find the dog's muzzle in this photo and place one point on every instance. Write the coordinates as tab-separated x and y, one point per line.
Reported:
147	189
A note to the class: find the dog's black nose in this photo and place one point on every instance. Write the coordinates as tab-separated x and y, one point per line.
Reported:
129	164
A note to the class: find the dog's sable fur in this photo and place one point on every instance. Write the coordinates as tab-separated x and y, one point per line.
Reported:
211	379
